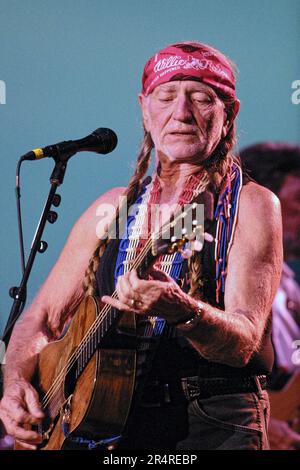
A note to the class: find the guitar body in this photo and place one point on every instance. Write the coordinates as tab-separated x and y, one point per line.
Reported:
285	403
96	404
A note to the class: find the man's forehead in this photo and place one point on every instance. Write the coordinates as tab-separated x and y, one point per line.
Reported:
191	85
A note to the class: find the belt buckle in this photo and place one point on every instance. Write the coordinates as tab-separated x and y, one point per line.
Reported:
191	387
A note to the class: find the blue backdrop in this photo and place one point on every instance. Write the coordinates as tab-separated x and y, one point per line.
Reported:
71	66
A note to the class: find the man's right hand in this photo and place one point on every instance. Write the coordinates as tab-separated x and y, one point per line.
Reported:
20	406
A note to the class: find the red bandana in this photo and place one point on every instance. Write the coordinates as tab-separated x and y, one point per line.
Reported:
189	62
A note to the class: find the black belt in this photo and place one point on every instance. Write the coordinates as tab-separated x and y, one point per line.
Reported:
158	393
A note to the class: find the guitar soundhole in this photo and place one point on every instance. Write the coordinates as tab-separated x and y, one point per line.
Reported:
70	380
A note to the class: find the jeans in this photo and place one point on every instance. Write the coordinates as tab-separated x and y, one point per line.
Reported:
222	422
228	422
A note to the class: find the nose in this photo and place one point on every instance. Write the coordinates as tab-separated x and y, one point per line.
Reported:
183	109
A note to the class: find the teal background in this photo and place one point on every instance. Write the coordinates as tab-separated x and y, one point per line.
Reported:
71	66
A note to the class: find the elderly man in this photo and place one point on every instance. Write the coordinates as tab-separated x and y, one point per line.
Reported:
204	387
277	167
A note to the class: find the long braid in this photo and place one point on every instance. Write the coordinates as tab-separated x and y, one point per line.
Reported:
194	262
218	165
143	161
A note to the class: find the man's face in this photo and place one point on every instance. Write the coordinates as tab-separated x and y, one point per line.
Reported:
289	196
186	120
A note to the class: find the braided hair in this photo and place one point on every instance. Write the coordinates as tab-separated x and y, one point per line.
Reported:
217	166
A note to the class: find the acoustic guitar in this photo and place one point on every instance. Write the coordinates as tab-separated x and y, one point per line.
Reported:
86	380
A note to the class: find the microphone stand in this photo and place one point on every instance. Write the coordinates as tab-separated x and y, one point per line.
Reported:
19	293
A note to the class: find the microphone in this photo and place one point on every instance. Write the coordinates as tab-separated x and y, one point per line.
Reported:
102	140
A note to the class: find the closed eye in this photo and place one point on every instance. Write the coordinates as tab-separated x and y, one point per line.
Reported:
202	98
165	100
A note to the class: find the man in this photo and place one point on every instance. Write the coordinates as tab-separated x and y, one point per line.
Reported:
205	386
277	167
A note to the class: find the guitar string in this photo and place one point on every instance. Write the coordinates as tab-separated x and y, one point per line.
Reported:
93	328
59	379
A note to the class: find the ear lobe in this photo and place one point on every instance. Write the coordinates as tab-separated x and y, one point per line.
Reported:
140	99
228	123
236	108
144	108
225	128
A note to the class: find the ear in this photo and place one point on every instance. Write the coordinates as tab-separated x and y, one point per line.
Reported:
226	127
228	122
143	101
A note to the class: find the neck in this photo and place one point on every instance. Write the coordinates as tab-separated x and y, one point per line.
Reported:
173	174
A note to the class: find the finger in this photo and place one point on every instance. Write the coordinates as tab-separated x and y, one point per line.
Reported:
33	405
139	285
15	430
136	283
159	275
117	304
16	412
124	289
32	437
26	445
